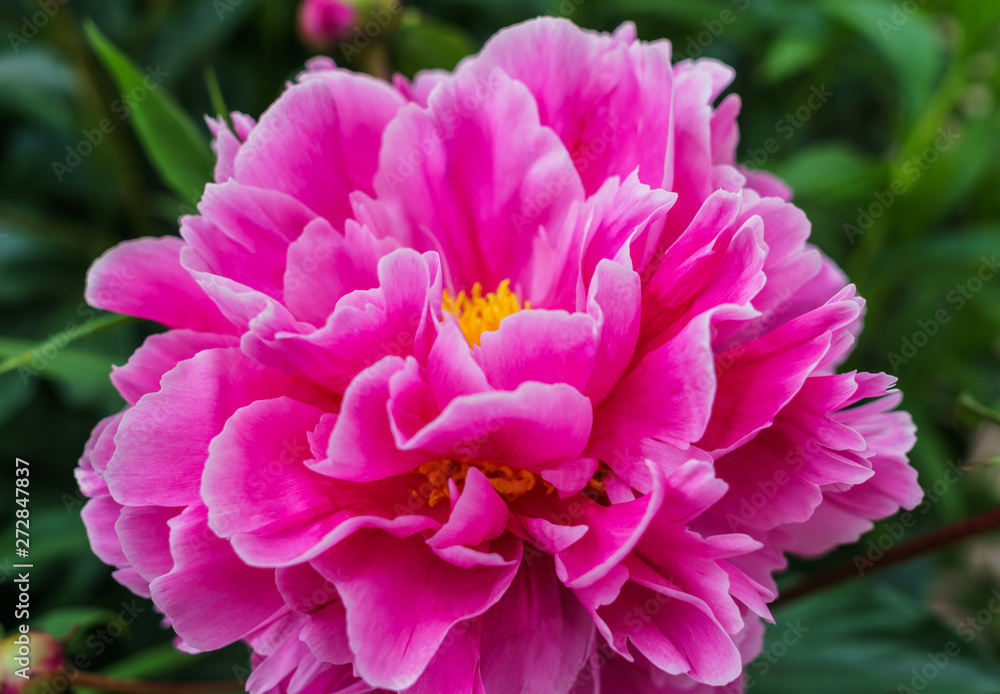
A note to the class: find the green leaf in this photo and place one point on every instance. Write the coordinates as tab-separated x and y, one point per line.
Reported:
869	637
830	172
791	54
38	84
906	39
153	661
215	94
173	143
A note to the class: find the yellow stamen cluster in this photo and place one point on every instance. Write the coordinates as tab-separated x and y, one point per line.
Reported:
509	483
595	487
478	314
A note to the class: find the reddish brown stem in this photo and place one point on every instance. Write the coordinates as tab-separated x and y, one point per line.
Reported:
92	680
918	546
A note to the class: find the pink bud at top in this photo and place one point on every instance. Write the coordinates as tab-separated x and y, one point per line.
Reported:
323	23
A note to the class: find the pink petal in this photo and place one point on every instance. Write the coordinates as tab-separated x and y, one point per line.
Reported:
593	91
540	346
177	423
757	379
478	515
485	220
614	302
531	428
402	600
320	141
243	234
536	638
159	354
212	597
668	395
144	278
325	265
361	446
277	511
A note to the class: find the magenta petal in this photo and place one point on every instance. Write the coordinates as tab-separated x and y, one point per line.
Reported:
614	301
320	141
243	233
99	516
326	634
393	319
455	666
212	597
627	213
145	538
534	427
668	395
325	265
680	636
613	532
478	515
451	369
276	510
144	278
757	379
159	354
592	89
411	401
536	638
572	477
402	600
485	221
542	346
361	446
177	423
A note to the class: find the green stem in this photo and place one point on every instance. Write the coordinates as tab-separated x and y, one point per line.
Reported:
918	546
969	403
62	339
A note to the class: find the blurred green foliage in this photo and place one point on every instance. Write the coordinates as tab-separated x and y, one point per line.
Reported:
898	168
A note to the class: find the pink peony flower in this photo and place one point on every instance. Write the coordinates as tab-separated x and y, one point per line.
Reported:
322	23
502	380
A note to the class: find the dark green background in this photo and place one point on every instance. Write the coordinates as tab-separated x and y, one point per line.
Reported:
899	73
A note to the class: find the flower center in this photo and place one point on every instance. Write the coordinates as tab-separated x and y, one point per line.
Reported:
478	314
509	483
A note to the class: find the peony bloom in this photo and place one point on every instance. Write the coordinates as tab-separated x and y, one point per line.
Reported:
502	380
322	23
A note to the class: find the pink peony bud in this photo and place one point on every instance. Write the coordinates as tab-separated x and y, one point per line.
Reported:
28	659
323	23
